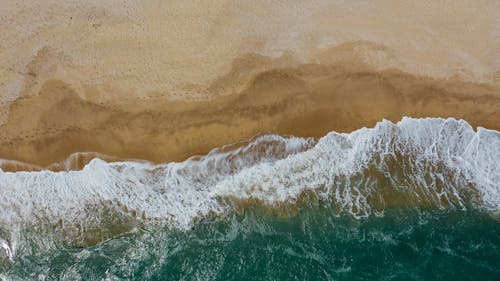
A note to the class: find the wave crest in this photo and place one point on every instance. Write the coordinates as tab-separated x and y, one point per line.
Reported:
415	162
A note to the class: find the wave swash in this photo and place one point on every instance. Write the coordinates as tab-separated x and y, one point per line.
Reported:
422	163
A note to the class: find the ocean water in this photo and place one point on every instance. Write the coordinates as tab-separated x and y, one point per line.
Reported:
415	200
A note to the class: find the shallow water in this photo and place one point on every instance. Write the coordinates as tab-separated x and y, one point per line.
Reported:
416	200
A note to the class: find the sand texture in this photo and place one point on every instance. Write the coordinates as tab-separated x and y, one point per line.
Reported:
164	80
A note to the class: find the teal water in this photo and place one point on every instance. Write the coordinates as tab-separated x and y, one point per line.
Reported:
415	200
315	244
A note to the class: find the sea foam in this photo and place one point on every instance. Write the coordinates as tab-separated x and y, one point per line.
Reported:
441	162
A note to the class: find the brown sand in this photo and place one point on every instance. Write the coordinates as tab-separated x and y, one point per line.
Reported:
304	100
129	48
163	80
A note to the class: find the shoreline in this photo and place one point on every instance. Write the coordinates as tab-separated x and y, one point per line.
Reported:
308	100
112	79
79	160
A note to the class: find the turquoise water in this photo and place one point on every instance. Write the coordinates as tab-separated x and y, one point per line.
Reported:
315	244
416	200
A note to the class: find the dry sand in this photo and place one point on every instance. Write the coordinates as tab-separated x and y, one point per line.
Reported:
164	80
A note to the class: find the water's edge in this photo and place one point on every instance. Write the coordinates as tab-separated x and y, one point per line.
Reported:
419	165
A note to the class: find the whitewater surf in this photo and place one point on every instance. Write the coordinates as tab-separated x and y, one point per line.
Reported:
391	183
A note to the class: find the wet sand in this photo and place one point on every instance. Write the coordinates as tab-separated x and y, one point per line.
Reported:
161	81
304	100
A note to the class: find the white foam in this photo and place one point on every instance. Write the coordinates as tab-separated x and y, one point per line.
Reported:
272	169
174	192
468	157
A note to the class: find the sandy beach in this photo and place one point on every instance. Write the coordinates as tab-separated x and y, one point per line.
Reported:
161	82
249	140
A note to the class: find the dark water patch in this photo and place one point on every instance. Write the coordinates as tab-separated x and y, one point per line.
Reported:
314	244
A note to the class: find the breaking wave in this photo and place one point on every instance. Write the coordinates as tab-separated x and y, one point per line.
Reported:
420	163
